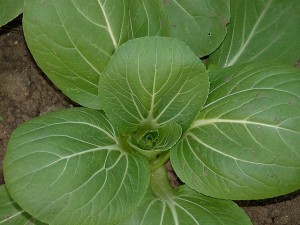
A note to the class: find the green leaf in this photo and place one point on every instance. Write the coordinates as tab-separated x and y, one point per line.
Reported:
151	81
185	206
245	144
169	134
11	213
67	167
9	9
261	30
150	143
200	24
72	41
148	18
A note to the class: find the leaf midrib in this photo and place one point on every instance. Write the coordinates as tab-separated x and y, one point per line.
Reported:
11	217
109	28
195	138
251	35
204	122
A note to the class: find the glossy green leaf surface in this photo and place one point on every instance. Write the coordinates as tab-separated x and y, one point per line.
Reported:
9	9
185	206
245	144
11	213
261	30
151	81
67	168
200	24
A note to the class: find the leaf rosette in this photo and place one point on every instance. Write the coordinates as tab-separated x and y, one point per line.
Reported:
152	89
238	141
81	164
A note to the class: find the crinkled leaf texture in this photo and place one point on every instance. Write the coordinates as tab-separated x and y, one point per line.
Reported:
185	206
9	9
67	168
245	144
201	24
151	81
72	40
11	213
261	30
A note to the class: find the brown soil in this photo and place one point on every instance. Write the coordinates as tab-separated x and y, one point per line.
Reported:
26	93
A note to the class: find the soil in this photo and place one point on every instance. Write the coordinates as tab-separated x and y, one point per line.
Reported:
25	92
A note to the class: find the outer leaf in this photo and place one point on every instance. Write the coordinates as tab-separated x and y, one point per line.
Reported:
11	213
185	206
148	18
261	30
9	9
245	144
72	41
67	168
200	24
151	81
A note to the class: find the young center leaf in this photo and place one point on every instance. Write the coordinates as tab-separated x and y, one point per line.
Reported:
73	40
9	9
261	30
152	142
67	167
245	142
200	24
183	206
151	81
11	213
